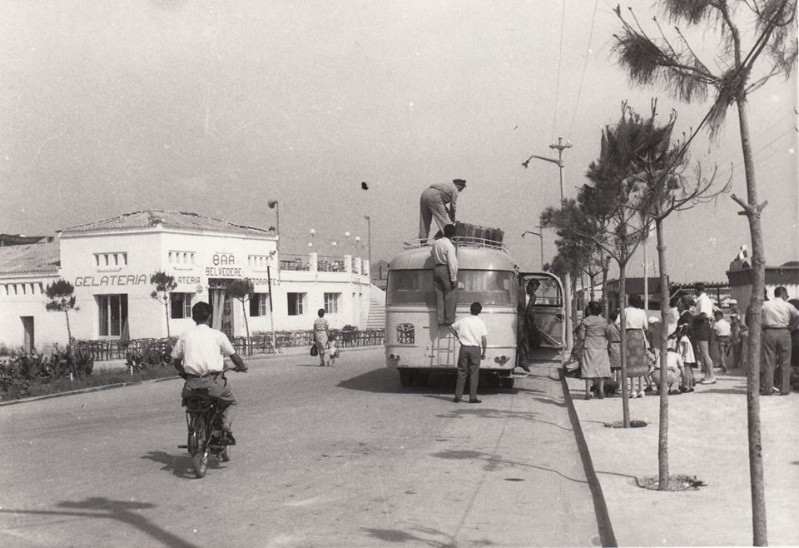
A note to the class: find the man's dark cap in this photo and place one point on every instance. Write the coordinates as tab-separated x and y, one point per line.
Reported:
461	182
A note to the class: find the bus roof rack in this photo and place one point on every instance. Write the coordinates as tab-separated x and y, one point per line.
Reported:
462	241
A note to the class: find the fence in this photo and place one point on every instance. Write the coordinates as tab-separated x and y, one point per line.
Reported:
257	344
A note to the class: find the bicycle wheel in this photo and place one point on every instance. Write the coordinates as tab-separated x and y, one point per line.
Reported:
199	457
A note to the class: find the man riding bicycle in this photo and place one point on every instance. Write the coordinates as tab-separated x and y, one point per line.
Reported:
199	357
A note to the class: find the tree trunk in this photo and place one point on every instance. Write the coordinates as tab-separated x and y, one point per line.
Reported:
166	312
246	323
606	305
663	432
625	403
69	330
759	529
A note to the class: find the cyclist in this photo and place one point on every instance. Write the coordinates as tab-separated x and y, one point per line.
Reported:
199	357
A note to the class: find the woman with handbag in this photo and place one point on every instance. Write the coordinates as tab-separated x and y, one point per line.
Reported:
321	333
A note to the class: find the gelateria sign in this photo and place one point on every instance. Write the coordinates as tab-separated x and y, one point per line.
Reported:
111	280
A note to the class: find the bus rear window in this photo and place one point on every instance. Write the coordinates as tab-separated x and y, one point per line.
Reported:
486	286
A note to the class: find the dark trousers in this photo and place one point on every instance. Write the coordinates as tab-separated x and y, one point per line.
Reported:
218	389
468	366
776	352
446	295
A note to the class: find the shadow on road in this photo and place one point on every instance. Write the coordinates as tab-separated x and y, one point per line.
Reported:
386	381
496	462
120	510
404	537
179	465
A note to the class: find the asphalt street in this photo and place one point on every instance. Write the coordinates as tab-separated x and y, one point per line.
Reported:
338	456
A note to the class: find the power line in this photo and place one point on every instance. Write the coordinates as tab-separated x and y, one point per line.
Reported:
585	65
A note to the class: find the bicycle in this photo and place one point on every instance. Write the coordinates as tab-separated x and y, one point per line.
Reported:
206	437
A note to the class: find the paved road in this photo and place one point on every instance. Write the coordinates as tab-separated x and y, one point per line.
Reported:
326	457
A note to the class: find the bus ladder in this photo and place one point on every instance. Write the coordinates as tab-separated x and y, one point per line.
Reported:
444	345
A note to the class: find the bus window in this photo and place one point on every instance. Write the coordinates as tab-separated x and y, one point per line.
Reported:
547	293
410	287
489	287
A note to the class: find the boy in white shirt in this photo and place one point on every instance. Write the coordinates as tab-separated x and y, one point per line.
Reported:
686	351
674	371
333	351
723	331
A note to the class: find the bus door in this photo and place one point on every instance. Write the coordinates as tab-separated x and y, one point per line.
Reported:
545	341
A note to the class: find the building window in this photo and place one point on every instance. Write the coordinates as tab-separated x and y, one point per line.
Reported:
331	302
258	262
112	259
296	303
259	303
113	314
181	305
181	258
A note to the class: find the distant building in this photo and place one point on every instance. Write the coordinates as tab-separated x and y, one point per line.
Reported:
110	263
740	277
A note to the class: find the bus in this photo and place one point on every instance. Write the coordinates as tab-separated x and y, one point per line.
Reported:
416	346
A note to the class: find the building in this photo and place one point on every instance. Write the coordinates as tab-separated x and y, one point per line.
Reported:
740	277
110	262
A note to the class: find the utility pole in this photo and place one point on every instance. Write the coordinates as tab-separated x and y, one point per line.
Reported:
560	147
369	240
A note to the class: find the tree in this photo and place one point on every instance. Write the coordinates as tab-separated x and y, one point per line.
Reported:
678	66
606	215
241	290
661	188
62	299
164	285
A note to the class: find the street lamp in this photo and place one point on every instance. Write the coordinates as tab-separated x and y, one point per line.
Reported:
541	237
369	236
274	204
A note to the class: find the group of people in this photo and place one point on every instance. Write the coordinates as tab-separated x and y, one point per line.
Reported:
689	326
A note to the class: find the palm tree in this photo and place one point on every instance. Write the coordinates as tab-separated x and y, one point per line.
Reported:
164	285
676	64
62	299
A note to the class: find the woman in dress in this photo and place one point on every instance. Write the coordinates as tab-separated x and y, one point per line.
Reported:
636	327
321	333
614	347
592	335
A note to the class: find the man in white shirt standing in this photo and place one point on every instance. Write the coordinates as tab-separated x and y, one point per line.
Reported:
723	331
199	356
703	311
471	332
445	276
779	319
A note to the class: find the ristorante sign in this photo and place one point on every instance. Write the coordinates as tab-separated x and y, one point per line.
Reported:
111	280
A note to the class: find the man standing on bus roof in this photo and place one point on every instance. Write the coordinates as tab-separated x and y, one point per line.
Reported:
432	205
471	332
445	276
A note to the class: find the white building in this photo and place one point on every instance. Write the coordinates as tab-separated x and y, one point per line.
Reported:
110	263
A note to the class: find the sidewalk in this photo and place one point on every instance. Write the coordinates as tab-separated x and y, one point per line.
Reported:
707	439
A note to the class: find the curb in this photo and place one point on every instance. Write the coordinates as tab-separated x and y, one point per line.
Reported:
86	390
295	351
606	535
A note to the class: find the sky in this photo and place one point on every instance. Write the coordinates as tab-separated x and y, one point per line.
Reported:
218	107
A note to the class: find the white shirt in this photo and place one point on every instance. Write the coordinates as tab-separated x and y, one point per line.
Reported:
779	313
202	350
444	253
470	330
703	306
722	328
634	318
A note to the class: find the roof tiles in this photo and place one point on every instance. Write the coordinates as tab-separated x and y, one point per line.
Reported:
32	258
168	219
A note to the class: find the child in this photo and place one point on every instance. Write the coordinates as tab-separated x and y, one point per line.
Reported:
686	351
332	352
674	371
723	333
